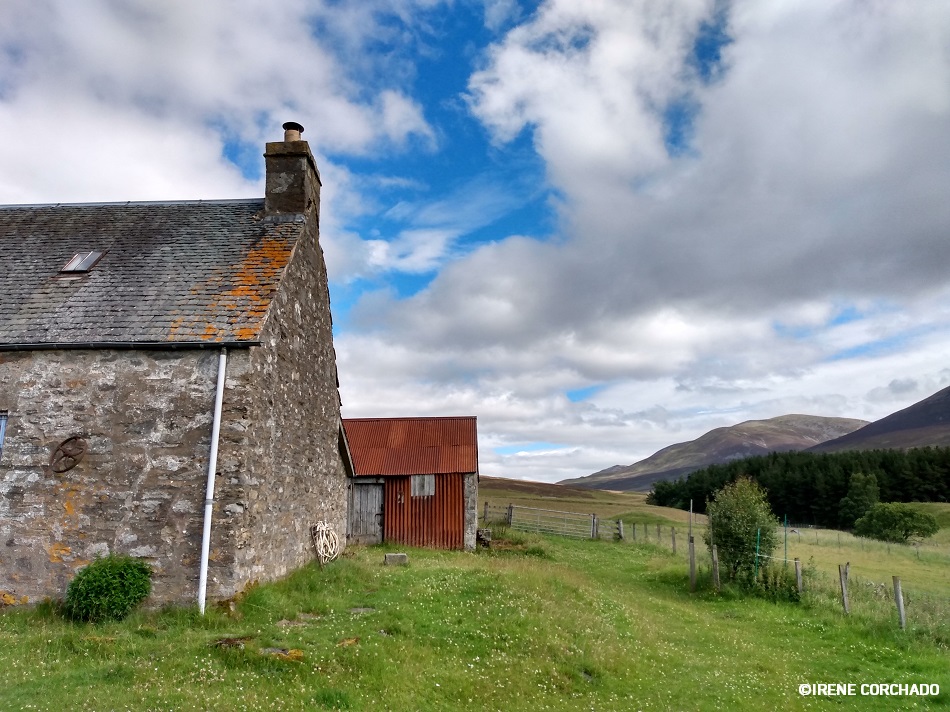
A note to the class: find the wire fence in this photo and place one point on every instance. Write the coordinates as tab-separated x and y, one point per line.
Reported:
855	590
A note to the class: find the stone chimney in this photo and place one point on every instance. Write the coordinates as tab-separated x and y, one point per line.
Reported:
293	182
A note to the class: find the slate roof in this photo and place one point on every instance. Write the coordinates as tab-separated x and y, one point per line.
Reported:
185	273
412	446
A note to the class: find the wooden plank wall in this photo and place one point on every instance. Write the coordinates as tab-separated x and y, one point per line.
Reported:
367	504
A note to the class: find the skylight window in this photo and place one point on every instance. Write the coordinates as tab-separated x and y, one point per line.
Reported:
82	262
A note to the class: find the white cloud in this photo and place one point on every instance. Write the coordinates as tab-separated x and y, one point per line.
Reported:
402	117
499	13
792	261
186	76
430	228
74	152
591	80
414	251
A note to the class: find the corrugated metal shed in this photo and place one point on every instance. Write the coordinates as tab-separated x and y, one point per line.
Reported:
413	446
401	450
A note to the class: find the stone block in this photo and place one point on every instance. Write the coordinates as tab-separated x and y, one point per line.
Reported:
396	560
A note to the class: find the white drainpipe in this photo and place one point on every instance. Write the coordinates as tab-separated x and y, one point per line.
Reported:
209	490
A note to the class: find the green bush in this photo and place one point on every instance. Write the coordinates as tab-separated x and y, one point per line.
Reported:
897	522
777	583
107	589
740	525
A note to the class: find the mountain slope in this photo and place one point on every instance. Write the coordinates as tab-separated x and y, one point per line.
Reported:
753	437
924	423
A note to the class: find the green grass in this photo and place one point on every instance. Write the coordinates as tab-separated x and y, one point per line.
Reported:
537	623
924	570
605	503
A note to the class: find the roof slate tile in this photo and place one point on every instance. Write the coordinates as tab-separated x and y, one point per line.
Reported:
172	272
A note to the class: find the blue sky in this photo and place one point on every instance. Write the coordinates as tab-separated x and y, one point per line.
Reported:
600	227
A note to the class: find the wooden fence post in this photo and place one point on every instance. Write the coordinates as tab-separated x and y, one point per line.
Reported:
633	531
673	538
899	600
657	533
509	514
692	565
485	516
620	529
843	578
715	565
798	574
593	526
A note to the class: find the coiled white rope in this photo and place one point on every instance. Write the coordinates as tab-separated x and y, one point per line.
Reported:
325	542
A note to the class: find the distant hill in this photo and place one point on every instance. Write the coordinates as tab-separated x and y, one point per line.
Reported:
753	437
924	423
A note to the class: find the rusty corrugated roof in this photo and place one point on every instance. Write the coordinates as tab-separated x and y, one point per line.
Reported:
412	446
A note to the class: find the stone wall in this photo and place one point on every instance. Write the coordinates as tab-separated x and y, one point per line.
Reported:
139	489
280	463
146	416
471	510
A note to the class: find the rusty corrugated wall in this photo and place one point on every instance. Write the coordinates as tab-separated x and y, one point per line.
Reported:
437	520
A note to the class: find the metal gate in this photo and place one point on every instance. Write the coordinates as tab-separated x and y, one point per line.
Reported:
366	514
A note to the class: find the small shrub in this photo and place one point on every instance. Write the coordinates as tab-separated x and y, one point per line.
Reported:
777	583
107	589
897	522
741	525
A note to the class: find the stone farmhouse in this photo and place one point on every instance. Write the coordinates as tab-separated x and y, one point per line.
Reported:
160	362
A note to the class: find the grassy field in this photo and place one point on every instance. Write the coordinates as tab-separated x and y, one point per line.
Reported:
923	569
535	623
606	504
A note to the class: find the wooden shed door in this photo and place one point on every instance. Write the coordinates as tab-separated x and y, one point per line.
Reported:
367	513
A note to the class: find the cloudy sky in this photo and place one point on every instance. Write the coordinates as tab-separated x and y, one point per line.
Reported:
602	227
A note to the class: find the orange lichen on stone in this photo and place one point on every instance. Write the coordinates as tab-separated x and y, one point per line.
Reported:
57	551
174	327
255	279
246	333
210	332
233	303
71	492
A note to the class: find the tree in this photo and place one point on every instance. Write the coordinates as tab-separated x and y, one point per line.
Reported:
862	494
738	515
897	522
663	494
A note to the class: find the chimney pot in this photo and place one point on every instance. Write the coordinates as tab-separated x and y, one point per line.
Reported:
292	182
292	131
